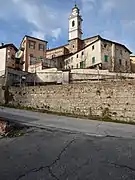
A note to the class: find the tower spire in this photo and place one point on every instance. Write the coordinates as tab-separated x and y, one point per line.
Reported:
75	4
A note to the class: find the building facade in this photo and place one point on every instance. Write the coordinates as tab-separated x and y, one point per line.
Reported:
102	54
132	60
8	59
34	52
93	52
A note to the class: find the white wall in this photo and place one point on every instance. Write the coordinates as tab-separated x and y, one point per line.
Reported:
2	61
88	53
75	32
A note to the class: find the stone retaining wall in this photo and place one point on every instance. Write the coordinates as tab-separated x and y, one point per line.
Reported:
113	100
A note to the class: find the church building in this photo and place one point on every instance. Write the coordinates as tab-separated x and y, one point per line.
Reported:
92	52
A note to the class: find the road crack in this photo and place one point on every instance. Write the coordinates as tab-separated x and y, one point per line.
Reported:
52	174
49	167
61	152
123	166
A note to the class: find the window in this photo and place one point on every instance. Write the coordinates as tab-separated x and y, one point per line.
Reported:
71	59
77	55
73	46
93	60
73	23
13	57
31	55
120	62
77	66
82	64
93	47
60	65
82	53
72	67
66	62
126	63
79	23
32	44
32	59
105	45
41	47
105	58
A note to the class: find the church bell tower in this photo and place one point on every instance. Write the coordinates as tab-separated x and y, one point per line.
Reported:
75	24
75	30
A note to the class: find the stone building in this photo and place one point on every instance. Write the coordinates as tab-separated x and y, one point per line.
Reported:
103	54
7	58
91	52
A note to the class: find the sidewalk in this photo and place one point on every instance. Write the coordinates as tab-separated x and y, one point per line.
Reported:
48	121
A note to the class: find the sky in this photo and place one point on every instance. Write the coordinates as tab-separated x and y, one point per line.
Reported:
48	19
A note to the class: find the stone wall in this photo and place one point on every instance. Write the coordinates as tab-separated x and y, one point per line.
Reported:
113	100
92	74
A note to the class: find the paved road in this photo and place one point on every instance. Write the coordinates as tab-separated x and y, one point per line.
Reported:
52	154
56	155
49	121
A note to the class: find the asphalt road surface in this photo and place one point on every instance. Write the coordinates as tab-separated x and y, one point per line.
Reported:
48	121
58	154
55	155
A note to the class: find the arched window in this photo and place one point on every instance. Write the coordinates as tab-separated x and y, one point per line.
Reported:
73	23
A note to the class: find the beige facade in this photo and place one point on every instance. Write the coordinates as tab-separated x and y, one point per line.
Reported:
89	40
34	51
83	58
132	60
55	57
91	52
56	52
2	61
7	58
103	54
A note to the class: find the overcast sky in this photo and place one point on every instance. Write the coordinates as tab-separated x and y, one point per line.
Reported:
48	19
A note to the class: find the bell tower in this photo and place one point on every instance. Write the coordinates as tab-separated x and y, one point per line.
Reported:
75	30
75	24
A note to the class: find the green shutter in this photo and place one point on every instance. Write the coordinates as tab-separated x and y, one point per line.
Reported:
82	64
93	60
106	58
